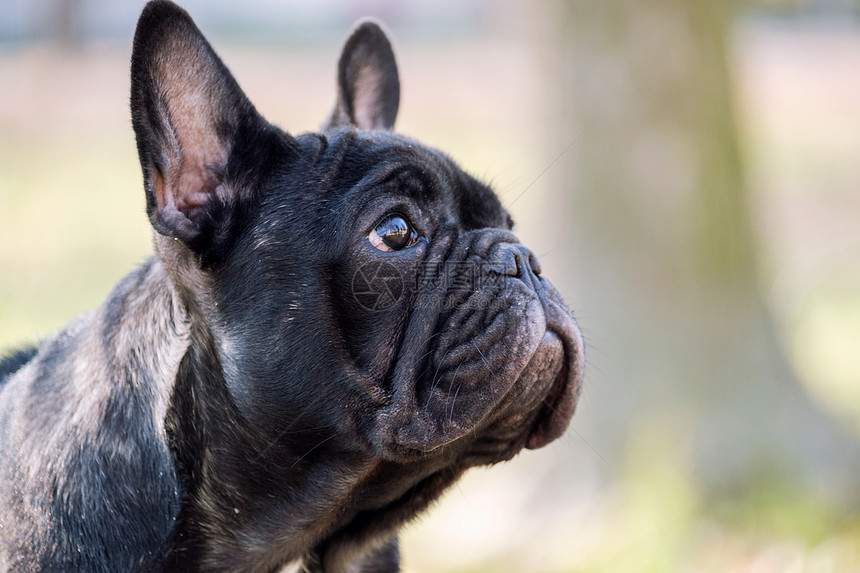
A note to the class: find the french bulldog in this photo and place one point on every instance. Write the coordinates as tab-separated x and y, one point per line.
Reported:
333	328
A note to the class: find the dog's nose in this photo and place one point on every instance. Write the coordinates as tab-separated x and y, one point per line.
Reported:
515	260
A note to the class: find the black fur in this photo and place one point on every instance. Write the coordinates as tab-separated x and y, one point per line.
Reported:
235	405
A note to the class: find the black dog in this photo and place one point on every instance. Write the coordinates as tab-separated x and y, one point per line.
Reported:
334	328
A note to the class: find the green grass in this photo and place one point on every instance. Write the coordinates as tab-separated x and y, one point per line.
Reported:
72	223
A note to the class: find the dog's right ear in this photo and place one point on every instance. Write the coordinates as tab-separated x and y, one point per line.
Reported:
368	84
188	113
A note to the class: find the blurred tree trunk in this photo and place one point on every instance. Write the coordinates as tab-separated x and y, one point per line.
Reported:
664	257
64	23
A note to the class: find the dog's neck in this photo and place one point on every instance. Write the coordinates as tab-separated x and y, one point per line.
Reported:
239	492
151	330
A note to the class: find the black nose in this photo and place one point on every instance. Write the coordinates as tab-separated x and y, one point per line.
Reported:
515	260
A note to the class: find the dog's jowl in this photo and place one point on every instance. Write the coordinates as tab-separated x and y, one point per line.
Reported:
333	328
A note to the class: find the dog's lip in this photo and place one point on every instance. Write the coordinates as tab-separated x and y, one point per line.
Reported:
558	405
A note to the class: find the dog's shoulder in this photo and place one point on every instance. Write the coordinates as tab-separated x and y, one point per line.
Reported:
15	360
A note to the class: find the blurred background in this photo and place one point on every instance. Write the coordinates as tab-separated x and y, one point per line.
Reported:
688	172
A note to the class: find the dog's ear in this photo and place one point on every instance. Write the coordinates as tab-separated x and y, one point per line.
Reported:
188	113
367	81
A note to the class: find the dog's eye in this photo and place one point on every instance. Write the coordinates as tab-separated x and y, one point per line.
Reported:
394	233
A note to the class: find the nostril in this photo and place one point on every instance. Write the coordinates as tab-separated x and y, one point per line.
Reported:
534	264
518	262
505	261
514	260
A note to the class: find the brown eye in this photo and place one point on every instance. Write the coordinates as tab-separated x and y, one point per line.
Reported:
394	233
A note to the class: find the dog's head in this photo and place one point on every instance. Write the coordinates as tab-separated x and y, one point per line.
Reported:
355	283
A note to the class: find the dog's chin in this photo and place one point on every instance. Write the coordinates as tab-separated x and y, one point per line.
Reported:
539	406
541	403
554	384
560	359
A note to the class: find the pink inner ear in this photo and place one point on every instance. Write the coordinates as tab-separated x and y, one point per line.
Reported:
194	103
196	187
191	201
365	108
159	190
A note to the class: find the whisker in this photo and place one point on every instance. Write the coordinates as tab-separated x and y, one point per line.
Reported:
285	431
310	450
451	417
550	406
589	445
487	366
555	249
431	337
454	401
435	378
557	157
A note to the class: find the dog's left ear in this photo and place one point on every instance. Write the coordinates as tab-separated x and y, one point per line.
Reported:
367	80
189	116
